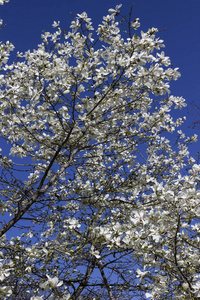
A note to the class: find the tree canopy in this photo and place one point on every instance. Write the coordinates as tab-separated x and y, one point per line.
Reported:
99	194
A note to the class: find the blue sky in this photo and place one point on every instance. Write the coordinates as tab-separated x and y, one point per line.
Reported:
26	19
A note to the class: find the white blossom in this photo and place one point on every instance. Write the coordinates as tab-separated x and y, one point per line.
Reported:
95	197
51	283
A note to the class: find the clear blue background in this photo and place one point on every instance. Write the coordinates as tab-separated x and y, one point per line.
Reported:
26	19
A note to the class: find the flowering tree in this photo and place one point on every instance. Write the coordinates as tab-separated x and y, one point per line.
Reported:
95	201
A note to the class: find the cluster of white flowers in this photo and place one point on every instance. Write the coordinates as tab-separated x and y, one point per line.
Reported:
87	119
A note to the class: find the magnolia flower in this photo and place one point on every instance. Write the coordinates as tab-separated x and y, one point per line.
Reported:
5	291
116	10
196	287
94	252
3	1
141	274
51	283
150	295
4	274
55	24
